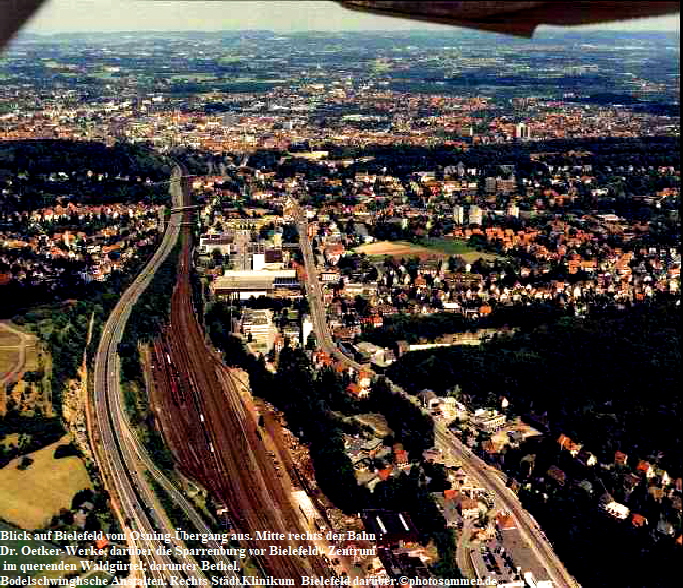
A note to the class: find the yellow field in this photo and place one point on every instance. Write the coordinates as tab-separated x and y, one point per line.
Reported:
31	497
7	338
396	248
8	360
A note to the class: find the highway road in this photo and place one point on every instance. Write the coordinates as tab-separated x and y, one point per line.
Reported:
505	498
117	449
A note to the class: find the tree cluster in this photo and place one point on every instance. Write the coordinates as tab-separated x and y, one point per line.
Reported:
592	544
36	432
610	382
148	316
410	426
25	167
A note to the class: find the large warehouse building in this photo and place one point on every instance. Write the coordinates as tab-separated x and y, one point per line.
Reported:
242	284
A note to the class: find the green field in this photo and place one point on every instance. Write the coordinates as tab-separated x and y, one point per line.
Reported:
457	247
29	498
193	76
450	246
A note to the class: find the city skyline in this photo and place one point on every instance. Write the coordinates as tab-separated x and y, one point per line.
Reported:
89	15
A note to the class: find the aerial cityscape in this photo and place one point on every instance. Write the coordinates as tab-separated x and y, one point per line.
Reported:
306	307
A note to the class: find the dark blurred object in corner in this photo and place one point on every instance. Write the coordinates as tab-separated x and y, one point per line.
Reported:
13	14
514	18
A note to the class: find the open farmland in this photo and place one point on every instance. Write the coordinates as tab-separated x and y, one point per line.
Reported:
30	498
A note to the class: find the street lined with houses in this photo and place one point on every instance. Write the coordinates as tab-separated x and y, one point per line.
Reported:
547	563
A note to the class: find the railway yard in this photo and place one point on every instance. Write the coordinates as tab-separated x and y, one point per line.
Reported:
211	425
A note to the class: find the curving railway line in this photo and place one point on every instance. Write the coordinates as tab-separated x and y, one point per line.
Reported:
217	442
117	449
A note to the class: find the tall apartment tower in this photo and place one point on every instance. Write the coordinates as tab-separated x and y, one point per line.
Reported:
459	214
522	131
475	215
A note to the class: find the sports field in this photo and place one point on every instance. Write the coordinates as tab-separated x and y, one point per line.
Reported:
433	247
396	249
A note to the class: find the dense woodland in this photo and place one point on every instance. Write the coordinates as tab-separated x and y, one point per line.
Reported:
26	167
45	156
611	552
610	381
598	152
148	316
411	427
35	432
413	328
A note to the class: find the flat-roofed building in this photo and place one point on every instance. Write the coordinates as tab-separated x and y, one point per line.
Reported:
224	243
242	284
259	324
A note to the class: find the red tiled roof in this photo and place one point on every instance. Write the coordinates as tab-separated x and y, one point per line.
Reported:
643	466
385	473
450	493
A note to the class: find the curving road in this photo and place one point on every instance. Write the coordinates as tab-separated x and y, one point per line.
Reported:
323	338
505	499
117	449
481	472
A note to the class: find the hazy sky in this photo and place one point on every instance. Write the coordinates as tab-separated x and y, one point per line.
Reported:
125	15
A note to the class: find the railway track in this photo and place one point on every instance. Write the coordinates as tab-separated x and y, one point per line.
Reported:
117	450
217	442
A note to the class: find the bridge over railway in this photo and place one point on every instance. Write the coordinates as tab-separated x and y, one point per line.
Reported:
184	208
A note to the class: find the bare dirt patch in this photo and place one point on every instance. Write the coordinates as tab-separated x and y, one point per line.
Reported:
9	358
397	248
8	338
